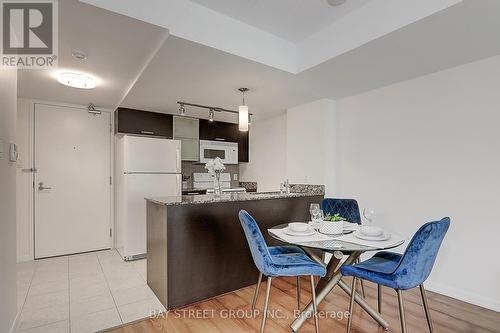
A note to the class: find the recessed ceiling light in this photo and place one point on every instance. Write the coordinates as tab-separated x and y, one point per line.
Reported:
76	80
335	2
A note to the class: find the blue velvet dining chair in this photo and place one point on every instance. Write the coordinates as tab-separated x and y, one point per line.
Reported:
348	209
402	272
277	262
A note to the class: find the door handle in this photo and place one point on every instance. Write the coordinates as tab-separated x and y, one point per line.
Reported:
41	187
148	132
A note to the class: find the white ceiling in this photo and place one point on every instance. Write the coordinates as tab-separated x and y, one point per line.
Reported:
118	48
357	26
292	20
187	71
183	70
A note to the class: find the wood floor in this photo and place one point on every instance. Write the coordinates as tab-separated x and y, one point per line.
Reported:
449	315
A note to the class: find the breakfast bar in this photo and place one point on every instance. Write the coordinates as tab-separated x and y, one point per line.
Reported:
196	246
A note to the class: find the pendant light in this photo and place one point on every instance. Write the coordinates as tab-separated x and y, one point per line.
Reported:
211	115
243	113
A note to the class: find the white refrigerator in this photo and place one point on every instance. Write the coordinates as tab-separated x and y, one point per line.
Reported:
145	167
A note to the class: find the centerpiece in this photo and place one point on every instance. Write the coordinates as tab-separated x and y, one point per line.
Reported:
215	168
332	224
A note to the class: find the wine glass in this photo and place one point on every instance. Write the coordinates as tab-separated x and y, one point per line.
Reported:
369	215
314	209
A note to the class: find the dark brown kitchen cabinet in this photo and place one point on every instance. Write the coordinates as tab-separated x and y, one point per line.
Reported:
243	147
131	121
218	131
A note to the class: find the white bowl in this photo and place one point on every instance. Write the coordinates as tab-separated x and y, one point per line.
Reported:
373	231
298	226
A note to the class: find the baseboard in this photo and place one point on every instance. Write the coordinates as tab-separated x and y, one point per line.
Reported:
13	329
462	295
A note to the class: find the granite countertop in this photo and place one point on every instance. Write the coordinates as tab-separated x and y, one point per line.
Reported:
210	198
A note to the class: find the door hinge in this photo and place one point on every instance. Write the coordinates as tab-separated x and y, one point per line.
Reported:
110	180
110	232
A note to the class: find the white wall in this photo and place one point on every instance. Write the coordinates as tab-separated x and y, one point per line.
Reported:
24	202
311	143
267	154
298	145
427	148
8	298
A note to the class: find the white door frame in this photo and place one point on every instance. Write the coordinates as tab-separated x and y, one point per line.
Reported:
111	167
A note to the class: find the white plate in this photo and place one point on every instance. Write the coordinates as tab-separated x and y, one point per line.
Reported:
383	237
295	233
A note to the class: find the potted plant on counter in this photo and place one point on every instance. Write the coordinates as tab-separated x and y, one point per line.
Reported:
215	168
332	224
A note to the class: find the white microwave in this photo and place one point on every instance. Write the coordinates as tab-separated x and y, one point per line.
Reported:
226	151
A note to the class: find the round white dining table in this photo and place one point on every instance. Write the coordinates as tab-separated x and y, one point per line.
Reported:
339	249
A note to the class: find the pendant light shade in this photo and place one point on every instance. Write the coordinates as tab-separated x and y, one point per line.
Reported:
243	113
243	118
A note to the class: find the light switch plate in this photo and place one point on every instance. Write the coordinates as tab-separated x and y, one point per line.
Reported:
235	176
1	148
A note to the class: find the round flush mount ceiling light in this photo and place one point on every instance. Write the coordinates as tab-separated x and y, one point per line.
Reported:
76	80
335	2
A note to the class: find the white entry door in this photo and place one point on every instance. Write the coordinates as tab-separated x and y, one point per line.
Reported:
72	182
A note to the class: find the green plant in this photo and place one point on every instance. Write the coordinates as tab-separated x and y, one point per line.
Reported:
334	218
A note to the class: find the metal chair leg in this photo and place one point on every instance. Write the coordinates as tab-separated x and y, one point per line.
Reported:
256	295
361	281
298	292
351	304
379	298
426	308
401	310
315	305
266	304
362	288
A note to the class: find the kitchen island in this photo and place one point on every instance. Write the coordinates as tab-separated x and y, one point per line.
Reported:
196	246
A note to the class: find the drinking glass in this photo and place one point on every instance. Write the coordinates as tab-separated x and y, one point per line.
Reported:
369	215
314	208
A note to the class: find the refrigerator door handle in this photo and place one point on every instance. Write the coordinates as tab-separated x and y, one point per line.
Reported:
178	185
177	152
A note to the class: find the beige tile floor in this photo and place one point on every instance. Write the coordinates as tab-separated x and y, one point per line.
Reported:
82	293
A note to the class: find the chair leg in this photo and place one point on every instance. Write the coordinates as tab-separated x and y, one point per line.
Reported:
298	292
361	281
351	304
315	305
401	310
426	308
379	298
362	288
256	295
266	304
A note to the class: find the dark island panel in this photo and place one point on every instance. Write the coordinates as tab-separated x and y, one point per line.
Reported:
206	250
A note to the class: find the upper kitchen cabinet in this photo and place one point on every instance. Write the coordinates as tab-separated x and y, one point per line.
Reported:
218	131
187	131
243	146
132	121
